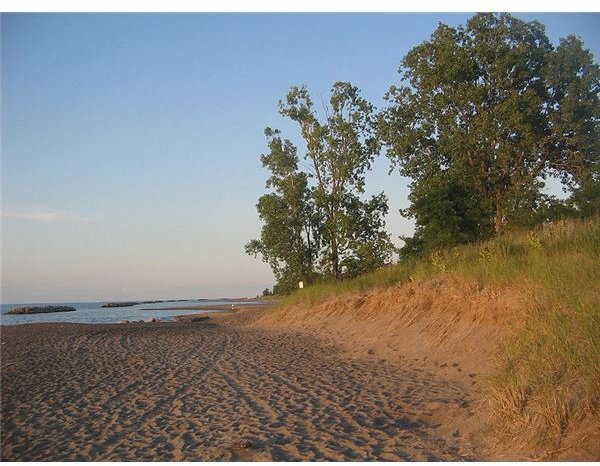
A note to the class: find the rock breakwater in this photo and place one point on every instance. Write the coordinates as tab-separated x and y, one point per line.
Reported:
40	309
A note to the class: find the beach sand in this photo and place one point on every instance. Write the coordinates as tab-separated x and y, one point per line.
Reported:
218	389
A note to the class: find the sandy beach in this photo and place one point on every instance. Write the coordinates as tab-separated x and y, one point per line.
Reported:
218	389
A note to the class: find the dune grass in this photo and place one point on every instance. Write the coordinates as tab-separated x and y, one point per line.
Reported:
548	376
544	256
384	277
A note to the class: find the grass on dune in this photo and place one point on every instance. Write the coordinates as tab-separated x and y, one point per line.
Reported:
384	277
548	375
537	255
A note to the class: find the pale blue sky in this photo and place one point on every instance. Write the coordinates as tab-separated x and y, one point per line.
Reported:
131	143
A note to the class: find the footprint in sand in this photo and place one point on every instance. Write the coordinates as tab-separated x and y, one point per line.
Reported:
177	405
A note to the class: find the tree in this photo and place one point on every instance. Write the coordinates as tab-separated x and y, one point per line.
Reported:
484	113
573	145
368	245
340	150
446	212
289	240
585	199
574	84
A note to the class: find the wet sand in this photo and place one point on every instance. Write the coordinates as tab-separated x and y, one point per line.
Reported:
203	307
216	390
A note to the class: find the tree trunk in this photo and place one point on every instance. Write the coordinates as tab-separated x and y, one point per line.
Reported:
335	266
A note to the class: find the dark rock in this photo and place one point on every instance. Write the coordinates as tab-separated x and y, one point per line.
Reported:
122	304
199	319
40	309
154	319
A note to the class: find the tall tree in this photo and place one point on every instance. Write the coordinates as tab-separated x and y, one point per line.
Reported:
573	82
289	240
340	150
484	112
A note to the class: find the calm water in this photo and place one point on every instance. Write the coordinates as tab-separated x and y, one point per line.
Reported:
92	313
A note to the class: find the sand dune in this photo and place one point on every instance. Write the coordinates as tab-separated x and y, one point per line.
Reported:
218	390
442	320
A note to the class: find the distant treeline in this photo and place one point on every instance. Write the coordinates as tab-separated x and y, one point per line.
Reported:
483	114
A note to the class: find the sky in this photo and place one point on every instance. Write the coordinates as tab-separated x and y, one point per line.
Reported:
131	142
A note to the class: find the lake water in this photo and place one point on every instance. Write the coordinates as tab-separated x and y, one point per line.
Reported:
93	313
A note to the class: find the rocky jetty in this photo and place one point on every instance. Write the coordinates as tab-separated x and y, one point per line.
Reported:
40	309
123	304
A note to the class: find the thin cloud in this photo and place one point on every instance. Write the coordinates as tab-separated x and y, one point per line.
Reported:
45	215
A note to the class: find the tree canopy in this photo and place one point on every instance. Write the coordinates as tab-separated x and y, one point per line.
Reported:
290	235
326	227
485	112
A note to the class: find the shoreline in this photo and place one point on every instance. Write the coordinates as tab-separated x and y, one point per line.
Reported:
216	307
146	315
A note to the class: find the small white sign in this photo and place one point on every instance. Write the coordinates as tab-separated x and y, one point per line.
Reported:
300	285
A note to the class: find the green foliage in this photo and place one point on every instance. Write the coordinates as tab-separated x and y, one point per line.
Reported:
484	113
447	214
367	246
340	150
316	223
290	235
573	85
585	199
